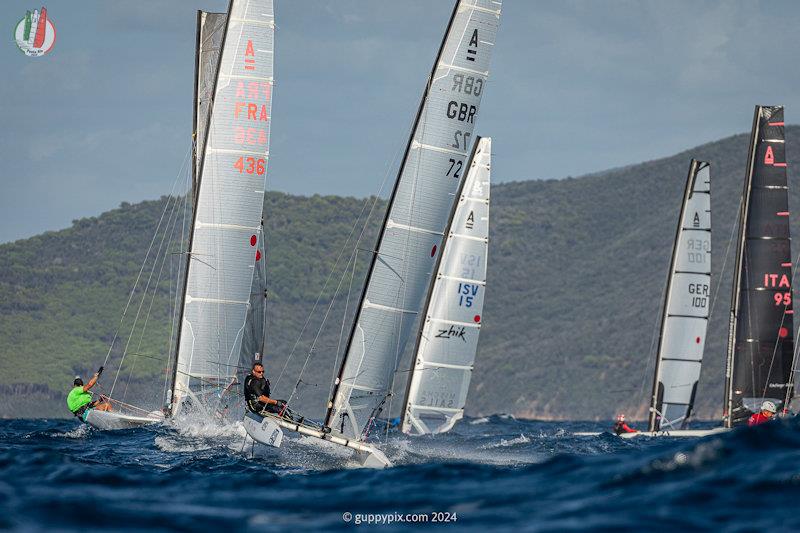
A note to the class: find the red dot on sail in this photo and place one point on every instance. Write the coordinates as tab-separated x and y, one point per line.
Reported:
433	250
477	318
783	333
253	240
258	255
697	340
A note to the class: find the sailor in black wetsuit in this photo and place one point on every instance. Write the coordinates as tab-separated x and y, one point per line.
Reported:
256	393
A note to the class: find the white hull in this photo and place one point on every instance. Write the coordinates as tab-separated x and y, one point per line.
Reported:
262	430
110	420
677	433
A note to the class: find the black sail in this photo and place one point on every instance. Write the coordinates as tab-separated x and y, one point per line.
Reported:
761	341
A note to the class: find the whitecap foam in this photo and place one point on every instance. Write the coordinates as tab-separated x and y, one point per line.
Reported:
77	433
522	439
166	444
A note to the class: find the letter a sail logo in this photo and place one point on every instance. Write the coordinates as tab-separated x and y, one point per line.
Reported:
35	33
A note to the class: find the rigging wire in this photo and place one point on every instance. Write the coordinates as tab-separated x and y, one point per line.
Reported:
171	233
141	303
141	270
367	201
177	283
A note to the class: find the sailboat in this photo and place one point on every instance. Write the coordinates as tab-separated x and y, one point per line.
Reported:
233	97
684	316
411	235
447	338
760	339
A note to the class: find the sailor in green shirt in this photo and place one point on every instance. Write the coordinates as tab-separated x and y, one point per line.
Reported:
79	400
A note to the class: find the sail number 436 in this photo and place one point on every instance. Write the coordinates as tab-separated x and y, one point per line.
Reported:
250	165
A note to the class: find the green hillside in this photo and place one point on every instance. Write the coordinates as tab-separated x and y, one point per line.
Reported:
577	267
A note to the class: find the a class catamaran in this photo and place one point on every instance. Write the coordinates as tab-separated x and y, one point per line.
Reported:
761	336
411	237
233	98
760	340
684	316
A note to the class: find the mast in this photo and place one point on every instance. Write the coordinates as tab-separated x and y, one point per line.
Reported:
472	212
760	338
229	203
684	315
412	230
195	108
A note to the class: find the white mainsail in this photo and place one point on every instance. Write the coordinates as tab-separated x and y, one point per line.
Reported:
228	205
448	338
685	315
416	218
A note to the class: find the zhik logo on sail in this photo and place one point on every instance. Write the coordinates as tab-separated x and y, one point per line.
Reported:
35	33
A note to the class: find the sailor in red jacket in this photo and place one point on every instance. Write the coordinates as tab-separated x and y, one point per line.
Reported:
768	411
621	427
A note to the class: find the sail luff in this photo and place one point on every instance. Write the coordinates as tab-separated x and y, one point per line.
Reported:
447	407
413	227
761	337
682	335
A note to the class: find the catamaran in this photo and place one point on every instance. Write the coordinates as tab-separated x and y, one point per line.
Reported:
232	117
410	240
760	339
684	316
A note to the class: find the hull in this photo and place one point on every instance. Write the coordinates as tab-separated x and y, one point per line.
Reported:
109	420
678	433
262	430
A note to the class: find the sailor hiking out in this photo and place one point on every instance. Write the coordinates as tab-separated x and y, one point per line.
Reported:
257	397
621	427
257	393
79	399
766	414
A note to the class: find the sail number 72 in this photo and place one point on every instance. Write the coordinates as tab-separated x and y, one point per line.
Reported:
455	168
250	165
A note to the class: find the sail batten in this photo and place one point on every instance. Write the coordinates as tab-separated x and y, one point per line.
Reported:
686	307
432	169
447	341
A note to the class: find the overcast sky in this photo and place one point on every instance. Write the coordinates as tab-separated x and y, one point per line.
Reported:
576	87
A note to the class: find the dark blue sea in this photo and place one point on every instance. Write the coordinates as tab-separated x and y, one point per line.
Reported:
494	473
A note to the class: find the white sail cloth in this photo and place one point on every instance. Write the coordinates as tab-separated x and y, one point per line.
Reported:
683	335
420	205
448	341
229	203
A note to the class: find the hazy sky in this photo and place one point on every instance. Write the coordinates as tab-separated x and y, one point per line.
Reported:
576	87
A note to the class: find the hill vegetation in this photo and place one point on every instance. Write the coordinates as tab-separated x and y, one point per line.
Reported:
577	269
